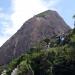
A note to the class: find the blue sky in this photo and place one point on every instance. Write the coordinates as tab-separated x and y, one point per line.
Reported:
13	13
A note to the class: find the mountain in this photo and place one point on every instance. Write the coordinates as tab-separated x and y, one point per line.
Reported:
44	25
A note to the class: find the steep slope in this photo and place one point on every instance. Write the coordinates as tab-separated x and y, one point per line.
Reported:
43	25
56	60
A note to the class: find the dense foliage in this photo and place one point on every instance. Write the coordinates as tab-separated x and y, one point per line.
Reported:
56	60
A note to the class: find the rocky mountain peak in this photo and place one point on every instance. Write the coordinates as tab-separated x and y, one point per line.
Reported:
43	25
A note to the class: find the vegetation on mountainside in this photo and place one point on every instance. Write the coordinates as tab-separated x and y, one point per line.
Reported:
59	59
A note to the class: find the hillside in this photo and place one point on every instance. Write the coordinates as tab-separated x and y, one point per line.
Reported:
55	60
47	24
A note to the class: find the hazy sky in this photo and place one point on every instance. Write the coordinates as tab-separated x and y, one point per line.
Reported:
13	13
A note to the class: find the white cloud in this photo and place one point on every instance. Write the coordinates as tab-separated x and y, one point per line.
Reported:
5	23
2	40
2	14
25	9
5	28
4	32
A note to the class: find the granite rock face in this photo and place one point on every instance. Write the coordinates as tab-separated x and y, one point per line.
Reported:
43	25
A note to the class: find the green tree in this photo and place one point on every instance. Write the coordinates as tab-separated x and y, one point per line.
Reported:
74	23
